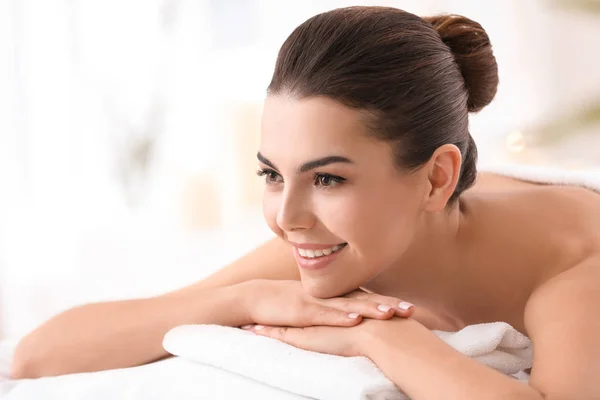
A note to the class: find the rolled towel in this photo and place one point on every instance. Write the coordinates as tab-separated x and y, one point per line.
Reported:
587	178
328	377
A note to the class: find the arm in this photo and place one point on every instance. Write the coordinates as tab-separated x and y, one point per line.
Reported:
562	321
411	356
425	367
127	333
117	334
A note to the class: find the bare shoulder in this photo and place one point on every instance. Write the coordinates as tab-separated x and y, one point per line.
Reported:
567	213
584	275
561	224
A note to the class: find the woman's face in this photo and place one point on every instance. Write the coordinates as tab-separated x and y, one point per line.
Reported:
334	193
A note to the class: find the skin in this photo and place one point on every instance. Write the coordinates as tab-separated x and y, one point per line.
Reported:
370	210
511	251
508	251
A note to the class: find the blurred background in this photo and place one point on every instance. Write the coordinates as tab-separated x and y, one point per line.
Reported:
129	128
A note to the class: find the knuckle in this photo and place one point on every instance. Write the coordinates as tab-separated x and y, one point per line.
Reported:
326	314
313	313
347	304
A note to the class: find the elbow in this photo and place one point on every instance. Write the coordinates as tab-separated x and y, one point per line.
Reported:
21	370
22	366
27	362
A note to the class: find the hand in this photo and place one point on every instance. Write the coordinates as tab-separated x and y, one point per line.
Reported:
341	341
286	303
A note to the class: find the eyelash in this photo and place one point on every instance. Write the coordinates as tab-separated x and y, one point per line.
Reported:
269	173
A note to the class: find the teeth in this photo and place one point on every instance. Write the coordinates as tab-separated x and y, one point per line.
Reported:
319	253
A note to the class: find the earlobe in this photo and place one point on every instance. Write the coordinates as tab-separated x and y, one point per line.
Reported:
443	175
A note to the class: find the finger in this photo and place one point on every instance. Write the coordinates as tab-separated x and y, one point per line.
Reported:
275	332
285	334
254	327
401	308
405	309
302	338
318	314
366	308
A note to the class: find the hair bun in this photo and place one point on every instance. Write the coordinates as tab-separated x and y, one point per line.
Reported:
472	51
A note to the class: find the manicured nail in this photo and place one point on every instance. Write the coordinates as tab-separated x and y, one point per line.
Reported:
258	327
353	315
405	305
384	308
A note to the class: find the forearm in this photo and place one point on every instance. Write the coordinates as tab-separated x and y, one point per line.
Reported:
425	367
119	334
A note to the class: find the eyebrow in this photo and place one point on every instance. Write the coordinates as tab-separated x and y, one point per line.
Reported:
307	166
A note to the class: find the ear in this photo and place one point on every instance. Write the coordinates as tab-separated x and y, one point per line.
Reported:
443	171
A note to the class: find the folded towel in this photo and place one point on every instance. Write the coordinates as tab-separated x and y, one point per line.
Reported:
323	376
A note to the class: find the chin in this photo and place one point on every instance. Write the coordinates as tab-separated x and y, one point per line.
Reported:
326	288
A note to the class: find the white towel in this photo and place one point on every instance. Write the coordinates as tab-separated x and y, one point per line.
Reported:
588	178
323	376
6	357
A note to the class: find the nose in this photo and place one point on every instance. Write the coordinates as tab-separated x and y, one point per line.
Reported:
295	212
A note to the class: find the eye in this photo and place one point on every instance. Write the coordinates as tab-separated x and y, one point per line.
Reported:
271	177
326	180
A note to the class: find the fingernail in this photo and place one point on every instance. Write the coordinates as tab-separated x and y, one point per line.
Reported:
384	308
405	305
258	327
353	315
246	326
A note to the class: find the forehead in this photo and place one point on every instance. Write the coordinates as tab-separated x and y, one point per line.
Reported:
316	123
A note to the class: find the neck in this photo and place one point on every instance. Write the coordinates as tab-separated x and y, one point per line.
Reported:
431	274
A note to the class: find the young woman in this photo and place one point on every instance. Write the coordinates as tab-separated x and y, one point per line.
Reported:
372	191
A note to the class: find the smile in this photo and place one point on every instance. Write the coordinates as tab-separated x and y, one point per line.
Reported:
308	253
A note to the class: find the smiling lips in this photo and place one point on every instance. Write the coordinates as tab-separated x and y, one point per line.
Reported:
311	256
308	253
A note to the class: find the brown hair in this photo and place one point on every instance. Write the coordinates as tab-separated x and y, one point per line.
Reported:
418	78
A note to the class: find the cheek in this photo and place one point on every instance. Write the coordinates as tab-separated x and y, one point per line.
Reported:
379	226
342	216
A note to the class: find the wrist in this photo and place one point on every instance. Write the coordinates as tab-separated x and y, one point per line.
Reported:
369	337
230	305
379	335
218	306
238	297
